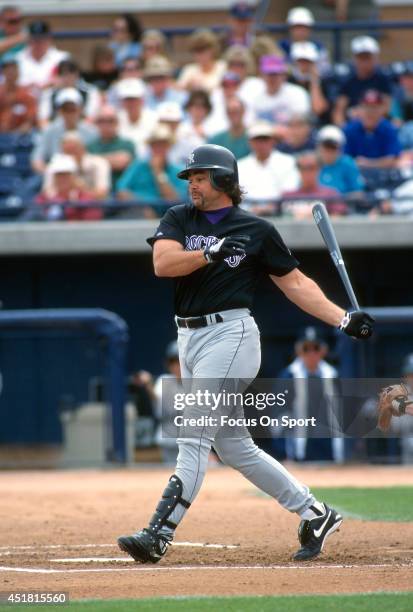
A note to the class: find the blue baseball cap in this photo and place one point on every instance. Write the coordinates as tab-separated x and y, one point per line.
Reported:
241	10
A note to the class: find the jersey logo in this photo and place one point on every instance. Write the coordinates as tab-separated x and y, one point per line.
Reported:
197	243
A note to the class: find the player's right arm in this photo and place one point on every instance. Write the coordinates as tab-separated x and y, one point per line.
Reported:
170	259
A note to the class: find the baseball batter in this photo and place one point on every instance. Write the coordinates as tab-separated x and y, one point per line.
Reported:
215	250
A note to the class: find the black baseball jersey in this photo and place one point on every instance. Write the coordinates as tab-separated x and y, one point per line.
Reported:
229	283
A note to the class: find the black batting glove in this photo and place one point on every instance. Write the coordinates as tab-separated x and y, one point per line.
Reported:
226	247
357	324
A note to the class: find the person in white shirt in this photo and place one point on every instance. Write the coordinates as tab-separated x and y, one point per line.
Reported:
38	61
265	174
240	60
278	100
135	120
206	70
230	87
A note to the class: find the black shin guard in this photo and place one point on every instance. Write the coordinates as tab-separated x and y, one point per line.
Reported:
171	497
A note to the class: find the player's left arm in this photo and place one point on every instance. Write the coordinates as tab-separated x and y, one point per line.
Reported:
307	295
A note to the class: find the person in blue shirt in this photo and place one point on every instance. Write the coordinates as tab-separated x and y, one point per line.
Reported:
161	89
366	75
371	139
125	38
152	180
300	21
338	170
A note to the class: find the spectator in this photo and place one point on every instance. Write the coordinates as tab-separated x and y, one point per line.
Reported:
158	76
263	45
235	137
366	75
299	202
300	22
206	71
39	60
93	171
171	114
279	100
305	72
69	103
297	136
240	26
312	395
164	409
196	128
402	101
125	38
372	140
104	71
18	106
119	152
65	188
13	36
153	43
132	68
135	121
338	170
68	75
265	173
220	97
155	179
240	61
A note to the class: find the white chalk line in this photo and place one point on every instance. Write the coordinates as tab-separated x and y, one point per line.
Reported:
10	549
191	568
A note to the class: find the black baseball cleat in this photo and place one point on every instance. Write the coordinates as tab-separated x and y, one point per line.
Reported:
313	534
144	546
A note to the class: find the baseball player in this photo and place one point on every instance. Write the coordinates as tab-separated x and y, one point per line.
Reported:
215	250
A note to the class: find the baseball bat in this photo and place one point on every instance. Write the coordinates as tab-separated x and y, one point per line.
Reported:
322	219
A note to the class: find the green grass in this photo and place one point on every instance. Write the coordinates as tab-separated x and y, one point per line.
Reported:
373	504
377	602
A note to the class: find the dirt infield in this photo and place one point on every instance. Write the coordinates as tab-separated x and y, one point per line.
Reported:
46	516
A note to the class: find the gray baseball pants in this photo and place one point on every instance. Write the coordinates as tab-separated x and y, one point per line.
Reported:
229	350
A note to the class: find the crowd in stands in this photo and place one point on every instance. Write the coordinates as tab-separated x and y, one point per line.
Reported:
110	140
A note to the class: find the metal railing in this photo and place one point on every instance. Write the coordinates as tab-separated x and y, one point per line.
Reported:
336	30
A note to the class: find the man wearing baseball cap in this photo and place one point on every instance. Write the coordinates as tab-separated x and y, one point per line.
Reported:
371	139
300	21
338	170
240	22
135	120
279	100
366	74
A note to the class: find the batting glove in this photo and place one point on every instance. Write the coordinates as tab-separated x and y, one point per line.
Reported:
357	324
226	247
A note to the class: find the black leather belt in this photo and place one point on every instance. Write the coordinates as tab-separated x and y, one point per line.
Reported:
197	322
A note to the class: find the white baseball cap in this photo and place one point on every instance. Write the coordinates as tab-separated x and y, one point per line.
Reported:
305	50
260	128
332	133
130	88
300	16
69	94
61	162
364	44
170	111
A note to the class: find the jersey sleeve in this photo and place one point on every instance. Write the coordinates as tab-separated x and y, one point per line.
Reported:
169	228
274	256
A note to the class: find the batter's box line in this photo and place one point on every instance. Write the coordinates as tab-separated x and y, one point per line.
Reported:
10	550
191	568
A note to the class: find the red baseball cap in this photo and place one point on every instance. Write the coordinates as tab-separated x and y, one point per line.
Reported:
372	96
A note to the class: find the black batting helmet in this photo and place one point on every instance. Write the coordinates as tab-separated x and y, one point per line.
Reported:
218	160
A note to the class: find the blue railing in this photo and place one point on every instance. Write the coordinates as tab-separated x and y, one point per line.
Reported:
335	28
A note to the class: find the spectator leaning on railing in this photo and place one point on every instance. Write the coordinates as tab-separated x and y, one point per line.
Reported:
13	34
299	202
65	188
371	139
338	170
18	106
366	75
265	174
119	152
154	179
69	103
